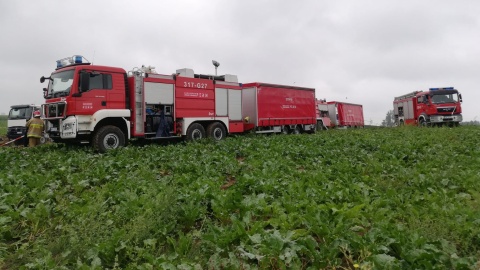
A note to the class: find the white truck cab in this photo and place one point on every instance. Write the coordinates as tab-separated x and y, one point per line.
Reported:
17	118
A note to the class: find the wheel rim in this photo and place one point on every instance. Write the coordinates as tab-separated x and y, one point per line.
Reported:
196	134
285	130
296	131
111	141
217	134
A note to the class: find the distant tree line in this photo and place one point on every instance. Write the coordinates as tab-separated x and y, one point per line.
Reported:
471	123
389	120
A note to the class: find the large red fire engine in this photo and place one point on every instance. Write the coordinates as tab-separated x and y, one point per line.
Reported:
437	106
106	106
335	114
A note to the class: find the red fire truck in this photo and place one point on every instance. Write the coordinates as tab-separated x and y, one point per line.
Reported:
106	106
437	106
334	114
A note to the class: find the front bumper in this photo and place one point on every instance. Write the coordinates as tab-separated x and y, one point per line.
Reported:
456	118
15	132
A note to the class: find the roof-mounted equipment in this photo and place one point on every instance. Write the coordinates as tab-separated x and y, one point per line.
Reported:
73	60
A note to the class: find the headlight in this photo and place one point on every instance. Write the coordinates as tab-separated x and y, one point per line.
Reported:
67	126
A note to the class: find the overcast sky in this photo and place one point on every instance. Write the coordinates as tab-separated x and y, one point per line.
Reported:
357	51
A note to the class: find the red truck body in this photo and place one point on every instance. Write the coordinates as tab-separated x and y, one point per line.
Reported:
271	105
106	106
437	106
340	114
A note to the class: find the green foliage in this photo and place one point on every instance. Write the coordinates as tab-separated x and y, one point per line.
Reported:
400	198
3	125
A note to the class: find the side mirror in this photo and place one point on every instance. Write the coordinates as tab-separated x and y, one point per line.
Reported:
460	97
43	78
84	82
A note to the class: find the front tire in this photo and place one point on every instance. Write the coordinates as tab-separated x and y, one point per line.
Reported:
108	138
195	132
216	131
422	122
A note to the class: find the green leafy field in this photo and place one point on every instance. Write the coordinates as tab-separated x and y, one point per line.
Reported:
3	125
393	198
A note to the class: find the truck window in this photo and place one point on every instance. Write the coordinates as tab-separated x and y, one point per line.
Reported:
60	84
100	81
400	111
20	113
446	98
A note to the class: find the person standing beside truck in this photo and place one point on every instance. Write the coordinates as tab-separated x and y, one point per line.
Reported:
34	129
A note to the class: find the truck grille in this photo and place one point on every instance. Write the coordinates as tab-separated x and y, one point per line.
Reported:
445	109
14	132
54	110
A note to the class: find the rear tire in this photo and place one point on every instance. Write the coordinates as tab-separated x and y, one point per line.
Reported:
195	132
285	130
216	131
108	138
296	130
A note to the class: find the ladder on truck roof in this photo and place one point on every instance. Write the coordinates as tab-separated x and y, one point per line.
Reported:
409	95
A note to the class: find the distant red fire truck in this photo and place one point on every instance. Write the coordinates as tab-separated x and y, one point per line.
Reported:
106	106
334	114
437	106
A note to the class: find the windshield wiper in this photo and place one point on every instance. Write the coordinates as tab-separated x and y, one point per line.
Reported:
60	94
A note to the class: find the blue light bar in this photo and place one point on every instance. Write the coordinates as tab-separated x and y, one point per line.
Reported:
78	59
442	88
73	60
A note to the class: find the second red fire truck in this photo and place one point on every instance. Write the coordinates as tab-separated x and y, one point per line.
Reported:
437	106
334	114
106	106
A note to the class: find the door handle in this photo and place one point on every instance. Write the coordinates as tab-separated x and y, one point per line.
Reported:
104	103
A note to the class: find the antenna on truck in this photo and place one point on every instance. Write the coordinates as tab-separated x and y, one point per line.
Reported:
216	64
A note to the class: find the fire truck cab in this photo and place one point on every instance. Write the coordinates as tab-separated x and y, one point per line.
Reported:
437	106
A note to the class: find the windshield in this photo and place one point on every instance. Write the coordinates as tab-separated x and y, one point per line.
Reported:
20	113
445	98
60	84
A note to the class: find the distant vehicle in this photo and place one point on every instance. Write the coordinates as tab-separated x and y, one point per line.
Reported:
437	106
17	118
335	114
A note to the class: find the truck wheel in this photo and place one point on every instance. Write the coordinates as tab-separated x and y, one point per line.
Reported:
195	132
216	131
107	138
422	122
285	130
296	130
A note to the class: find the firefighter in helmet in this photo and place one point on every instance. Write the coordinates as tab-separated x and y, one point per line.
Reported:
34	129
